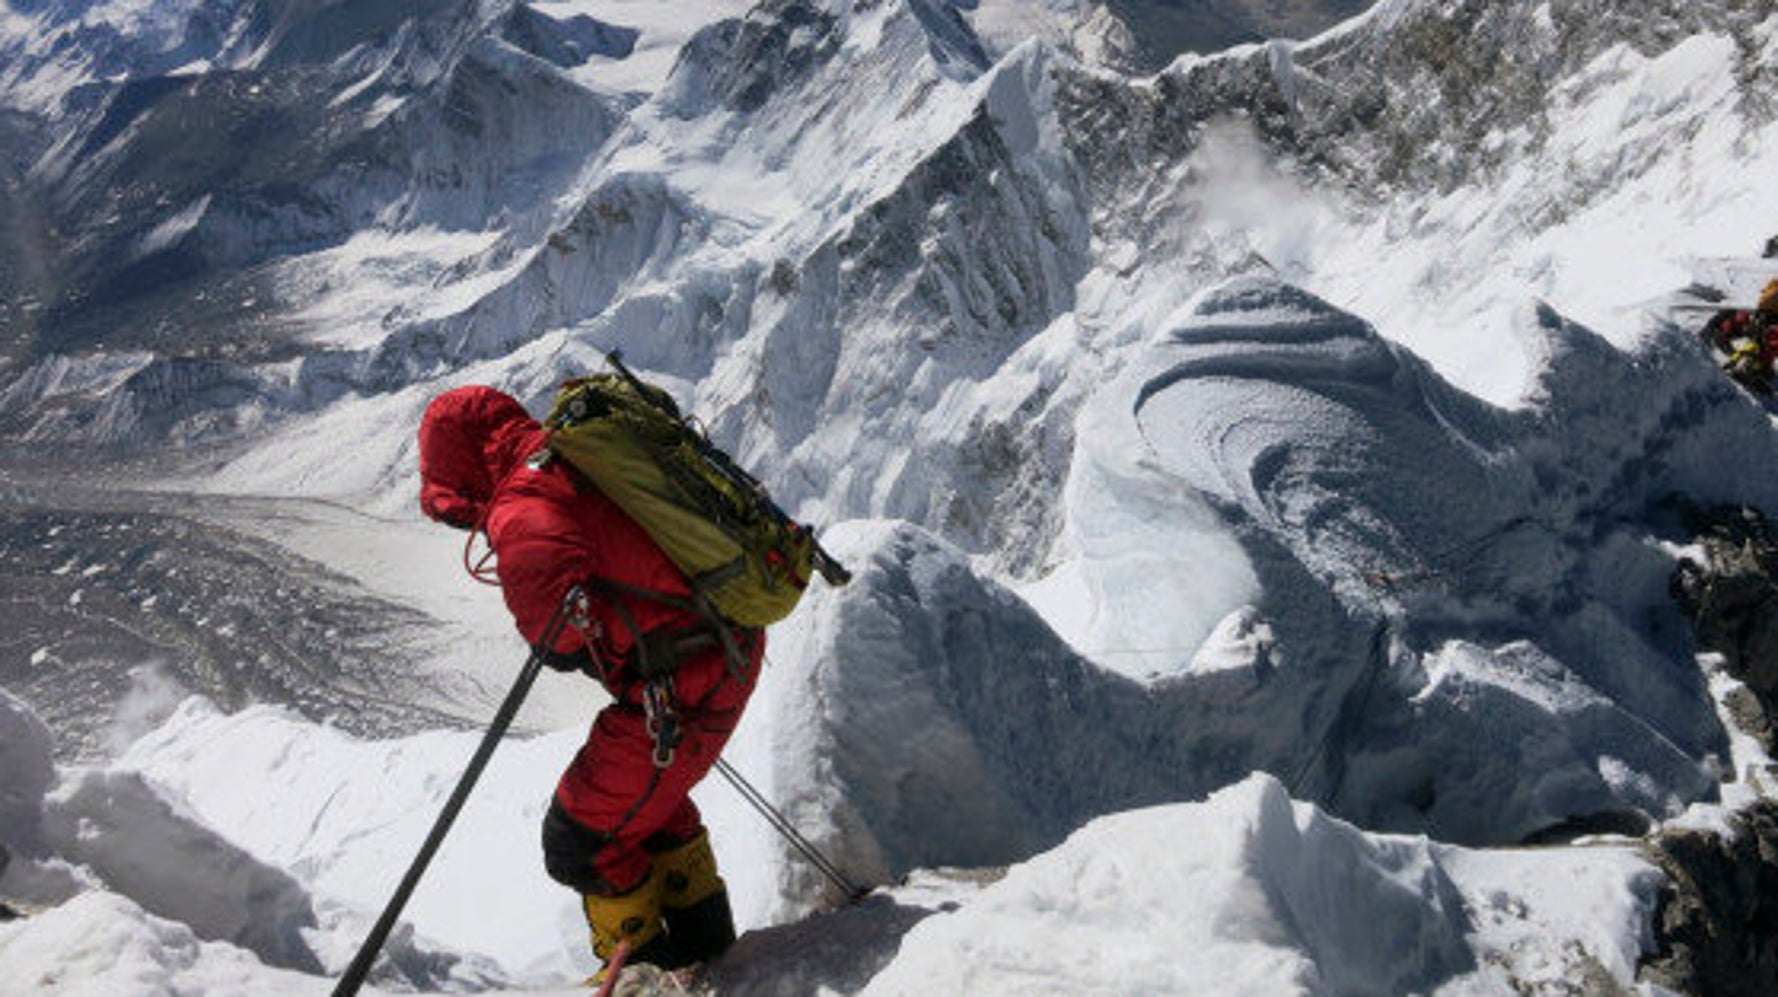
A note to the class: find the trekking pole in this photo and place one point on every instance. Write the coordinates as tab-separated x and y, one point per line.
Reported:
782	824
367	953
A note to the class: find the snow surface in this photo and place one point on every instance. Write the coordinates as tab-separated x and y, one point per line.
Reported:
1283	899
1664	140
1248	893
225	824
101	944
662	30
1404	468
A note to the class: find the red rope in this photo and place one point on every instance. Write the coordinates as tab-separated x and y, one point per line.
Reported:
614	969
480	568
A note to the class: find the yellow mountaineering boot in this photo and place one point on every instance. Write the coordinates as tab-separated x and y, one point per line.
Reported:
633	917
694	902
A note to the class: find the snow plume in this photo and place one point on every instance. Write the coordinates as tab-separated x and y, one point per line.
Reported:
151	699
1242	212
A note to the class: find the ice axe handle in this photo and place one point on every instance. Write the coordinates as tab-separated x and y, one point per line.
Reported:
832	572
616	359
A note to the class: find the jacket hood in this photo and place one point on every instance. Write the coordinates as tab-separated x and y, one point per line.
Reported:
470	439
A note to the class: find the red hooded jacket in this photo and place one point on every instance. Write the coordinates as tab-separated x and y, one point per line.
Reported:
549	528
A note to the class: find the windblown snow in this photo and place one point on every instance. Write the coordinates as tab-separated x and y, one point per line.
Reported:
1260	477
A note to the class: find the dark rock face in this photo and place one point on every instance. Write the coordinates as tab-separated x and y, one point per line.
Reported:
1717	933
567	42
1718	927
742	63
1732	599
1160	30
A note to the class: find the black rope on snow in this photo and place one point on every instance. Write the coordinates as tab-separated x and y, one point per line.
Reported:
1367	684
1443	559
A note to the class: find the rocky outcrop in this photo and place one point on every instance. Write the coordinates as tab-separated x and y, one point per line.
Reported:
1717	931
1421	97
1159	31
1731	595
6	912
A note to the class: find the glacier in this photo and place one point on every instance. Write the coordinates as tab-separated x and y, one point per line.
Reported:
1263	466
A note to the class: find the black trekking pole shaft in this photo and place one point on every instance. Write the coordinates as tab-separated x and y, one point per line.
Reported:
356	973
783	826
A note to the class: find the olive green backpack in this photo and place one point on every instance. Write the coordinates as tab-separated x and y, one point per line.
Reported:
744	557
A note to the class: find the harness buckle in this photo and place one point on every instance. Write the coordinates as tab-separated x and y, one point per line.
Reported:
661	721
580	613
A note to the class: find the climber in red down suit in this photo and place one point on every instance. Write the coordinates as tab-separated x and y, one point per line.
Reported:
621	828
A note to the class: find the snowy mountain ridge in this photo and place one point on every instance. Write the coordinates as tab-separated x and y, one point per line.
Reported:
1292	409
511	291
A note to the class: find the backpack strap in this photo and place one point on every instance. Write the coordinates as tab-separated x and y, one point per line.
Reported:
661	650
658	652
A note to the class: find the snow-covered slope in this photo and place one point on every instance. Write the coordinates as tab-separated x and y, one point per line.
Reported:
185	147
1248	893
1142	36
1291	410
1244	892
